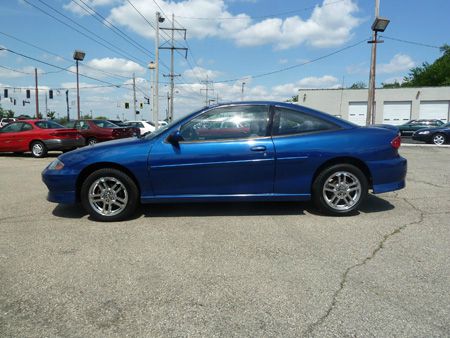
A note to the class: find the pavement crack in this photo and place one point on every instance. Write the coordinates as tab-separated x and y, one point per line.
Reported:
427	183
310	329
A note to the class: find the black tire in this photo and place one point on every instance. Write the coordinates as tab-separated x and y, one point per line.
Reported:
439	139
328	176
111	177
91	141
38	149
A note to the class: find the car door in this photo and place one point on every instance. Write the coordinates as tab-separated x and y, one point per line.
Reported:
300	140
213	162
10	136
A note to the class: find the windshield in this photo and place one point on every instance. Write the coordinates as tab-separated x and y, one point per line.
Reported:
447	125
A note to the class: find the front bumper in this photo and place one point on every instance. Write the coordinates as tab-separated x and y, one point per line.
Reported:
61	185
64	144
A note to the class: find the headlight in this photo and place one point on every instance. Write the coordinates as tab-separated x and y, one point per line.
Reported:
55	165
425	132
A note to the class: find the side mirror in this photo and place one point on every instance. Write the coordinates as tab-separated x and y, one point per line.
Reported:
175	138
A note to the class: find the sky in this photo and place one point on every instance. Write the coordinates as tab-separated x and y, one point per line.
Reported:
274	47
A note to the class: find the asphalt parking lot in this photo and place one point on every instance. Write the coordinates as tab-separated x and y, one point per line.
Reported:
253	269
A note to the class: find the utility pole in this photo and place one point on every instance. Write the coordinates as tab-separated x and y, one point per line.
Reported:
370	117
134	95
46	105
36	92
67	104
172	75
154	115
155	90
206	89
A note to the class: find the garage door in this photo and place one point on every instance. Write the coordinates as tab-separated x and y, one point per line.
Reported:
434	110
396	113
357	112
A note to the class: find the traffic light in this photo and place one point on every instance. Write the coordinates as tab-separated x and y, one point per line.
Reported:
14	101
148	100
28	94
5	93
141	105
127	105
137	112
50	94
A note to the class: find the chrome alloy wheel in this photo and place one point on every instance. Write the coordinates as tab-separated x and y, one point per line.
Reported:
438	139
108	196
37	149
342	190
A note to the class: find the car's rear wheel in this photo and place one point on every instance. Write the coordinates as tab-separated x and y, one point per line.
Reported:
38	149
439	139
91	141
340	189
109	195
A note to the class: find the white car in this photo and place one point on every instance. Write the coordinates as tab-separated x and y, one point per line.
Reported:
143	126
6	120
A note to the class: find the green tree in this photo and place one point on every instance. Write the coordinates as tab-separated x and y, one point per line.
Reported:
358	85
101	118
51	115
293	99
435	74
394	84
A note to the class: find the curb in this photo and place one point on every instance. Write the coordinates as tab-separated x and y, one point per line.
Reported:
423	145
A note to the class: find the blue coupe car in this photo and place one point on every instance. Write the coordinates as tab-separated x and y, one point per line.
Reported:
246	151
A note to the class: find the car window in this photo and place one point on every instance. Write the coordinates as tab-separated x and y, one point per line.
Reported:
48	125
83	125
27	126
12	127
288	121
234	122
104	124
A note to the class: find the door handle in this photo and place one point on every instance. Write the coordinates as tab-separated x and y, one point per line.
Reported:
258	148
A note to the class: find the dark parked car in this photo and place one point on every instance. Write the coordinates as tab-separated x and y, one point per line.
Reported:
410	127
95	131
38	136
278	152
439	135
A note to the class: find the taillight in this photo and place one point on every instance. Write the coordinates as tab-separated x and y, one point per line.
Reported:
396	142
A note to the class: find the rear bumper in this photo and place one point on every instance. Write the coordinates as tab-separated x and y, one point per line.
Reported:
388	175
63	144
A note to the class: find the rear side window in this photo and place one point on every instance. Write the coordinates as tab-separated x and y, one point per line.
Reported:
27	126
48	125
104	124
288	121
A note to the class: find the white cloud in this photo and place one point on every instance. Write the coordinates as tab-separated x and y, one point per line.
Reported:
399	63
197	73
330	24
122	67
74	8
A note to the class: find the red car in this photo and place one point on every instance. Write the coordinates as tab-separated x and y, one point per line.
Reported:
102	130
38	136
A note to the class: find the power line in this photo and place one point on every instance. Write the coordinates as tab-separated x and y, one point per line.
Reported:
117	51
63	58
108	24
58	67
410	42
298	64
260	16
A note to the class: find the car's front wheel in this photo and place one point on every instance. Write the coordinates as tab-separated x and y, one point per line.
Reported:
109	195
439	139
340	189
38	149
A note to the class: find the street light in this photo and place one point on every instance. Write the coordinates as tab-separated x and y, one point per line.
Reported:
379	25
78	55
159	19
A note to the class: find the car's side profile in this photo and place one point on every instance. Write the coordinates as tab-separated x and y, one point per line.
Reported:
267	151
408	128
38	136
95	131
437	135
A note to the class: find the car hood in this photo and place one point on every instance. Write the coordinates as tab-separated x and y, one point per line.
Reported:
106	151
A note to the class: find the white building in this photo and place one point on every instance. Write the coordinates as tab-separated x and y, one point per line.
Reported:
393	106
